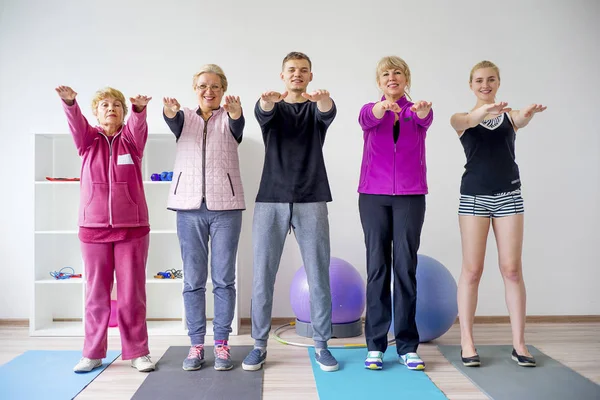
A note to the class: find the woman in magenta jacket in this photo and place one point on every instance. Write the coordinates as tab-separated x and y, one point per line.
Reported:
393	185
113	222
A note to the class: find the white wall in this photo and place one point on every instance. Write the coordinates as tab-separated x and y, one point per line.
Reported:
544	49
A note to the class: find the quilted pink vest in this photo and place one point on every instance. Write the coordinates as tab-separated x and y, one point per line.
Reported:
206	162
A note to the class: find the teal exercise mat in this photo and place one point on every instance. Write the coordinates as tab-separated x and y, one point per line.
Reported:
354	381
47	374
500	378
170	381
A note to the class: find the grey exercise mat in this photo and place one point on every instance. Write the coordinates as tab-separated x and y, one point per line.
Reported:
170	381
500	378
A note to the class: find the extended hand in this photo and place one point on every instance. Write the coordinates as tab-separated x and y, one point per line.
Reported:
172	104
66	93
317	95
530	110
273	97
140	101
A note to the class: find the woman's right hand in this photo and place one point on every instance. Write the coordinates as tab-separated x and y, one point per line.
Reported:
66	94
380	108
495	108
390	105
171	104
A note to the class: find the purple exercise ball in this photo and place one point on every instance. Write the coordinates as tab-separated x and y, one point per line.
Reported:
348	293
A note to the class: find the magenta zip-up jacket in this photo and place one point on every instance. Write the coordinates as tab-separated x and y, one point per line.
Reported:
393	168
111	187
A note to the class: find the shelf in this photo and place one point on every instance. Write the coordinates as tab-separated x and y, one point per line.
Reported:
154	281
46	182
70	328
52	281
58	306
57	232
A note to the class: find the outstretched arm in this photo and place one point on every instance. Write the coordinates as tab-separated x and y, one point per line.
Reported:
522	117
463	121
82	132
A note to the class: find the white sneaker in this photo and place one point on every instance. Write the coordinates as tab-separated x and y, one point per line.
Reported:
143	364
87	364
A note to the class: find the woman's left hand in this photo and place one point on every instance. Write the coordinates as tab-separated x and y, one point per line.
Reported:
233	106
422	108
139	101
532	109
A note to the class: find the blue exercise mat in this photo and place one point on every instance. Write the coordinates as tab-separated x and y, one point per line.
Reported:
354	381
47	375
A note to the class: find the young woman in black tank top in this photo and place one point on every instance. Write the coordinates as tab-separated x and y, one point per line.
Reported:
491	174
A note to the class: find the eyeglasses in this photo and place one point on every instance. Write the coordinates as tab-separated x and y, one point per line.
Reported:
214	88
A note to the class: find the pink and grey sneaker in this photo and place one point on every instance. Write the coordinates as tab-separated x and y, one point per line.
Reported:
195	358
222	358
412	361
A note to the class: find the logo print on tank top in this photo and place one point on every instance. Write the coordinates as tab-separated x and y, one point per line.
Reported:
493	123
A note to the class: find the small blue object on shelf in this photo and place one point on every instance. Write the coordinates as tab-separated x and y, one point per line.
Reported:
65	273
163	176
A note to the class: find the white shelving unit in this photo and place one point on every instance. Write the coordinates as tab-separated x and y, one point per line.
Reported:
58	305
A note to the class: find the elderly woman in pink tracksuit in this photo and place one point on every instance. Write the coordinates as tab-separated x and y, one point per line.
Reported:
113	222
393	185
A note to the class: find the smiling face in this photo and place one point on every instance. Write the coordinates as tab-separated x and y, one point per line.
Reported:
209	91
485	83
296	75
110	111
393	77
393	83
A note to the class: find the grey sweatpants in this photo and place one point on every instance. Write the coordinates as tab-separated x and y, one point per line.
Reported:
270	227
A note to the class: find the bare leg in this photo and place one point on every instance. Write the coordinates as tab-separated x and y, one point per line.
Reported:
474	232
509	238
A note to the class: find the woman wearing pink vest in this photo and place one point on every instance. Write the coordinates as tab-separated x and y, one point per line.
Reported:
208	197
113	222
393	185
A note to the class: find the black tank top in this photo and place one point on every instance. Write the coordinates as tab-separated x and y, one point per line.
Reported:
490	151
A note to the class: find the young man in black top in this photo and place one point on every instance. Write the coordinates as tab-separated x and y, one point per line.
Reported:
293	195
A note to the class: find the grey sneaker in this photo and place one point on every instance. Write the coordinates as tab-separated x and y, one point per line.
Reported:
195	358
326	360
87	364
222	358
254	360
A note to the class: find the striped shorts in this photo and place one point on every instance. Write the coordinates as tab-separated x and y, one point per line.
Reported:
492	206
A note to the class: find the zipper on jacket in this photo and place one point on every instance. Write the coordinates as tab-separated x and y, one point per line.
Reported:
395	143
204	135
110	217
177	184
231	184
394	176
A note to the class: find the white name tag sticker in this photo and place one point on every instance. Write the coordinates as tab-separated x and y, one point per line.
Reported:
124	159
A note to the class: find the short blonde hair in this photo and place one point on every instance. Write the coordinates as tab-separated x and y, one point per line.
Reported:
214	69
109	92
484	64
394	62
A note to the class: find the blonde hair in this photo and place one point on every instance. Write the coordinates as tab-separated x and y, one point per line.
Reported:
394	62
213	69
296	55
109	92
484	64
